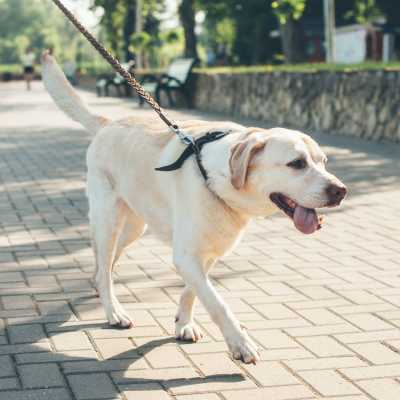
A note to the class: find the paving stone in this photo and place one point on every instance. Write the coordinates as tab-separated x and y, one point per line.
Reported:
324	346
136	332
274	339
322	330
149	391
213	364
9	383
39	281
326	363
105	366
38	347
54	307
71	341
166	357
294	392
92	386
9	277
200	347
187	374
372	372
360	397
329	383
17	302
213	383
18	313
40	376
366	337
6	366
275	311
382	389
376	353
368	322
116	348
208	396
320	316
40	394
40	357
285	354
271	374
26	333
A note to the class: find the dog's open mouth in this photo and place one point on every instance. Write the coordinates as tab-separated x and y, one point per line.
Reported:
306	220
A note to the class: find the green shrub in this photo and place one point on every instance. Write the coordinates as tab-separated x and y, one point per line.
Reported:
11	68
305	68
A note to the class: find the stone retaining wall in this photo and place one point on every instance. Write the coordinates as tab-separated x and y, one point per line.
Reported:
364	104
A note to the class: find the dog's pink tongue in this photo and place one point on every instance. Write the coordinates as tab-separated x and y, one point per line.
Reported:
305	220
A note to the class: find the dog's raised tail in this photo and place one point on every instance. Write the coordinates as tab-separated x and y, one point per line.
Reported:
66	97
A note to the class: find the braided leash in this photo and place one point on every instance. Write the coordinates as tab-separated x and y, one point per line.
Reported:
124	73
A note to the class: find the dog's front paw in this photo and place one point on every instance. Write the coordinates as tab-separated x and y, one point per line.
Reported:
243	348
188	331
120	320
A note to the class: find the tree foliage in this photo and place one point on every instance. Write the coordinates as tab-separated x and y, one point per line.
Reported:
233	31
289	13
239	30
364	11
288	9
118	23
37	24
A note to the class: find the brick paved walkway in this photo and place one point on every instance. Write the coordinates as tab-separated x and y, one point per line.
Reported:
325	309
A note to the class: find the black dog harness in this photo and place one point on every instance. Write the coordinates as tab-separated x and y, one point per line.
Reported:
194	147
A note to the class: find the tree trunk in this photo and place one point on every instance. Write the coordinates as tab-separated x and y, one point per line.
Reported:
187	14
129	27
107	21
293	42
110	32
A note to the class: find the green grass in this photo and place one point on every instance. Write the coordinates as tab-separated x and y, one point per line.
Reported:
86	68
13	68
303	68
97	69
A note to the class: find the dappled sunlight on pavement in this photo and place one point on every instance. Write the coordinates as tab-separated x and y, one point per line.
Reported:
324	309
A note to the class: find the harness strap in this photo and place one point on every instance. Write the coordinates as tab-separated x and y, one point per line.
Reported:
195	148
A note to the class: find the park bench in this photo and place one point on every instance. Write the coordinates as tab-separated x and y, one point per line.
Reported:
104	82
175	80
70	72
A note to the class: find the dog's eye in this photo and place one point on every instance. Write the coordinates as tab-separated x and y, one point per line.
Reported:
300	163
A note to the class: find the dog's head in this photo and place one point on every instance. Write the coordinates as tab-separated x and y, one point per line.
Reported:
285	169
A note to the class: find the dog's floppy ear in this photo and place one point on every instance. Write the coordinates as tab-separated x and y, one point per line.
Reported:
241	156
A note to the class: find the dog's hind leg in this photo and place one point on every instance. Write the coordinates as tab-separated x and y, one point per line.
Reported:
134	227
108	216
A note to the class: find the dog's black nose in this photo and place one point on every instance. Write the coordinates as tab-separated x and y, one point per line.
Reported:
336	193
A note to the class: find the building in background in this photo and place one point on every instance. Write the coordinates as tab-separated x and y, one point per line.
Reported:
359	43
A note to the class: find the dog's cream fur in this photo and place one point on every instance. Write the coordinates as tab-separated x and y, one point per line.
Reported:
201	223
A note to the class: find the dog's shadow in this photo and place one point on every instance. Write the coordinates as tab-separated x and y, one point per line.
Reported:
116	366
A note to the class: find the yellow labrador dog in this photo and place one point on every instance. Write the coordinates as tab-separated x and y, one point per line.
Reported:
251	172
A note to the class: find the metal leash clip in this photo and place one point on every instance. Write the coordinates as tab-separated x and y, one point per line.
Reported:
185	139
